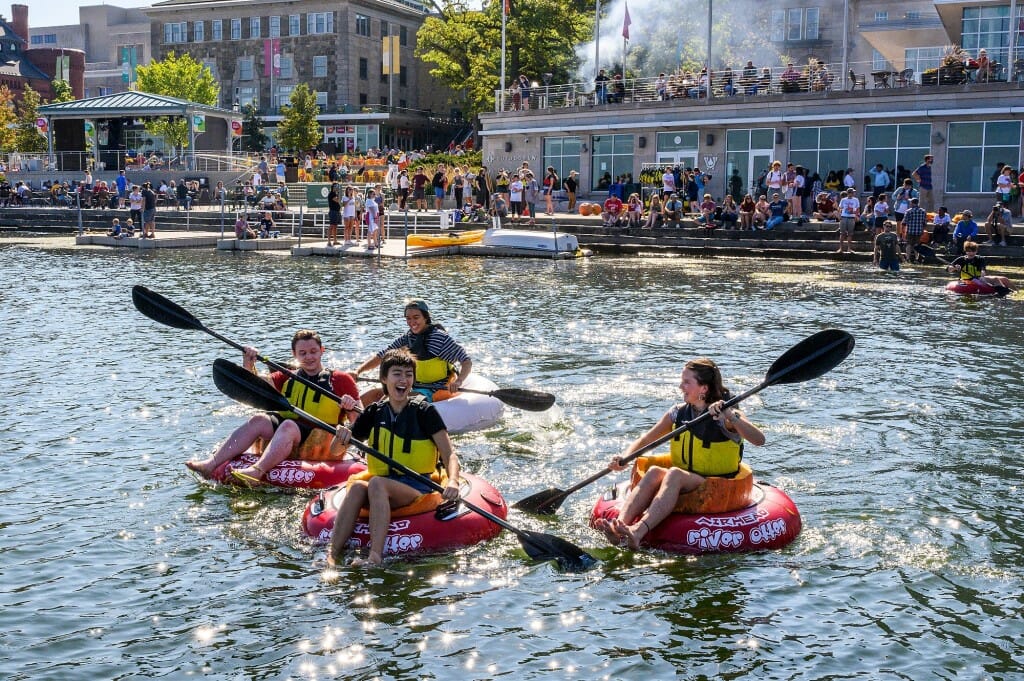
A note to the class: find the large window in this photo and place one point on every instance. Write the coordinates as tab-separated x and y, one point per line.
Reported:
254	27
286	68
176	32
217	29
319	22
403	36
245	68
283	95
275	27
563	153
320	66
989	28
749	152
362	25
896	146
321	100
820	149
973	151
922	58
678	148
364	68
612	156
795	24
293	24
247	96
198	32
236	29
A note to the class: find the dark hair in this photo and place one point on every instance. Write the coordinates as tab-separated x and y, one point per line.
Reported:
708	375
400	357
306	334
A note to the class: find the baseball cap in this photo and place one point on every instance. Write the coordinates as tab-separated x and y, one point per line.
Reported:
417	303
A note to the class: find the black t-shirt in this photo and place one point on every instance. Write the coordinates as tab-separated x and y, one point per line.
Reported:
149	199
428	418
438	181
570	184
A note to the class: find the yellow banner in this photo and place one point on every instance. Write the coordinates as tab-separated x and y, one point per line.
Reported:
391	55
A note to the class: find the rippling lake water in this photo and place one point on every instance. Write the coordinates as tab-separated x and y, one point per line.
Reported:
905	462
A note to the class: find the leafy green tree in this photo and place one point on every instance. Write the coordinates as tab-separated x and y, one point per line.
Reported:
62	91
464	46
181	77
26	134
299	129
253	137
8	119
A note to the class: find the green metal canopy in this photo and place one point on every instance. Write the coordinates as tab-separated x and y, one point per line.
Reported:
135	104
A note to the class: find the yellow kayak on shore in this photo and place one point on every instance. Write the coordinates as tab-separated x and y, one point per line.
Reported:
449	239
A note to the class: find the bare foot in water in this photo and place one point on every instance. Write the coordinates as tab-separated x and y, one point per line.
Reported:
633	534
608	529
201	467
373	560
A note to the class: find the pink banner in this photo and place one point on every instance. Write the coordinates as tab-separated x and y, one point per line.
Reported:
272	57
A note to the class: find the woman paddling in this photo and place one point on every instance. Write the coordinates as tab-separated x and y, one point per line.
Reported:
406	427
286	434
435	351
713	447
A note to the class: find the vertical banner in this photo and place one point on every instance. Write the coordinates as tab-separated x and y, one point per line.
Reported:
41	126
391	54
272	57
236	128
198	122
63	69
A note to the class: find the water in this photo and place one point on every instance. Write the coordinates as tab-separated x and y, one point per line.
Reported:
905	463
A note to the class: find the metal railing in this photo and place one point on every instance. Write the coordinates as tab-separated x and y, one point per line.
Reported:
686	86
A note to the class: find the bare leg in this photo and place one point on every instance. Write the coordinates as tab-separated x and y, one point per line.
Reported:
385	494
345	521
282	444
257	427
641	496
675	482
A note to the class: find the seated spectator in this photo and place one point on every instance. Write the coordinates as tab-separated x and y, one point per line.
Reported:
182	196
617	89
656	217
790	79
242	228
746	212
965	230
115	229
673	211
762	211
634	210
707	211
700	87
998	225
267	226
764	83
661	88
129	227
728	86
940	235
778	211
728	214
867	214
826	208
612	214
748	78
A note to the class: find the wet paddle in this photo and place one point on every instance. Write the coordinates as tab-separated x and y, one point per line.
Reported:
243	386
520	398
160	309
815	355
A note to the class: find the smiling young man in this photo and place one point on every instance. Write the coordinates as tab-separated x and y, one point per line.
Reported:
287	435
405	427
436	353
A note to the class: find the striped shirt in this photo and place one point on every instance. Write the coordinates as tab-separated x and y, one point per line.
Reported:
914	220
439	344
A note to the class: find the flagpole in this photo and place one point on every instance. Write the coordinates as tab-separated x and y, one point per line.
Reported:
504	14
597	38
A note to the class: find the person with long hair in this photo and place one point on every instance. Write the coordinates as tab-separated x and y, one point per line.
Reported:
713	447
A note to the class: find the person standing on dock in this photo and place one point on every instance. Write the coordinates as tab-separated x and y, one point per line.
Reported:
122	189
148	211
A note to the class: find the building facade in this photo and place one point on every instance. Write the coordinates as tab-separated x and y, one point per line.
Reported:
36	66
260	50
967	122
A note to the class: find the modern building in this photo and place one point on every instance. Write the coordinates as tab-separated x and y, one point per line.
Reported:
26	63
884	114
260	50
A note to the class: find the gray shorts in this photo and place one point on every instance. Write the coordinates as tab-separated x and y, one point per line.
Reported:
846	225
149	215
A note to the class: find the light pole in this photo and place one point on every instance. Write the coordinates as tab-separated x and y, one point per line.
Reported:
546	77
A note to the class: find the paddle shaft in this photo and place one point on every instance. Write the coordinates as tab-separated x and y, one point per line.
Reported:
771	379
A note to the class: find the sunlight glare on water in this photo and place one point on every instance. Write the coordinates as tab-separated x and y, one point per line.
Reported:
904	461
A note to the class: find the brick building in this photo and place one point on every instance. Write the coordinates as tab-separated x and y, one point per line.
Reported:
261	50
34	66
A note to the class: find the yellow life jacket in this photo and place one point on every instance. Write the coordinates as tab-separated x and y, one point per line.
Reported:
704	449
969	269
400	438
429	369
311	401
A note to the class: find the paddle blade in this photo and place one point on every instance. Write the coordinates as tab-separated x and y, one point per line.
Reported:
158	308
545	547
544	503
246	387
527	400
812	357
